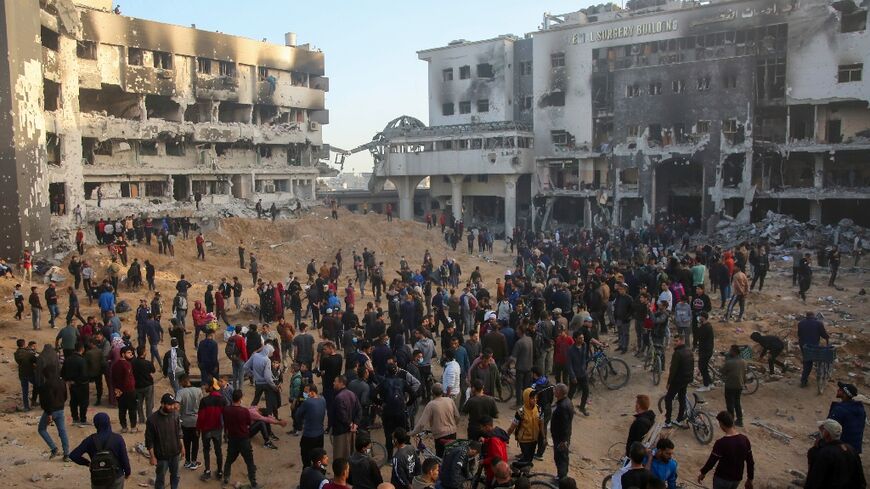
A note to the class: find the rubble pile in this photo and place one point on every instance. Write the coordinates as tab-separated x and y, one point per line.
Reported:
782	231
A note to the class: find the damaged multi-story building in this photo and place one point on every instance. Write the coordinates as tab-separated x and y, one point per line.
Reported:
666	108
151	114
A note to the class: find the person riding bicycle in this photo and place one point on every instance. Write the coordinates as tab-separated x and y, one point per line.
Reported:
456	467
810	332
680	374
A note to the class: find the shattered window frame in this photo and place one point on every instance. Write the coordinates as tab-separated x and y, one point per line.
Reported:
853	22
655	88
86	49
163	60
227	68
483	105
702	127
485	70
447	75
203	66
447	109
729	126
465	72
135	57
557	60
465	107
678	86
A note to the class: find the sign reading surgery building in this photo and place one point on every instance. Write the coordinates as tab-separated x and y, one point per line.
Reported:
633	30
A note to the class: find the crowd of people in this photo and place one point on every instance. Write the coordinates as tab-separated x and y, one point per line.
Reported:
425	350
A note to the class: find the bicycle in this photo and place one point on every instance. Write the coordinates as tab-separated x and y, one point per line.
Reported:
379	452
700	422
422	449
651	438
751	382
536	479
823	359
613	372
504	385
655	362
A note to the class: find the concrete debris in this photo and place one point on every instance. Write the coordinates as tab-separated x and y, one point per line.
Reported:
784	231
779	435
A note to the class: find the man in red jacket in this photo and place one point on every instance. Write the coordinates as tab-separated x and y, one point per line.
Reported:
210	426
494	446
200	248
125	389
237	420
220	307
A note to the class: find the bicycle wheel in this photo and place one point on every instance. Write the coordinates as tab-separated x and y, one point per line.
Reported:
542	484
504	391
606	483
690	405
751	385
823	373
616	451
614	373
379	454
702	426
657	370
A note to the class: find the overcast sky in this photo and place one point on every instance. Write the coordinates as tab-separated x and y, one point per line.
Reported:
370	46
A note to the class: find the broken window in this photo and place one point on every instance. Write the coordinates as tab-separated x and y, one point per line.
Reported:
633	130
554	99
135	57
282	185
130	190
729	126
527	103
86	49
464	107
678	86
849	73
464	72
155	189
447	109
703	83
525	68
482	178
462	144
163	107
227	68
298	79
265	151
655	133
162	60
148	148
262	73
203	65
853	22
51	95
703	127
447	74
655	88
52	148
294	154
632	90
483	105
834	131
557	60
560	138
477	143
57	198
444	145
49	39
484	70
174	147
103	148
729	81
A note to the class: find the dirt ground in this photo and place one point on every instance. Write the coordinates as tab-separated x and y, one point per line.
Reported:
779	401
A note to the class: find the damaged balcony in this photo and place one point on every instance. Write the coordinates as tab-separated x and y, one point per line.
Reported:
828	127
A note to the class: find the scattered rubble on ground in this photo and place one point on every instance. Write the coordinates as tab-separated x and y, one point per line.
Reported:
783	231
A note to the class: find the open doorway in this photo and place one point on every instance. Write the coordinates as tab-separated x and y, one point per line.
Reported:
679	188
179	187
57	198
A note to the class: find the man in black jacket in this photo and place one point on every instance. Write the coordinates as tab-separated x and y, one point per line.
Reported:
622	314
75	373
644	418
680	375
52	397
772	346
833	464
705	337
364	472
560	429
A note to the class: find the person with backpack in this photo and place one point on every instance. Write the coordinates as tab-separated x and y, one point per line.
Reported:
106	451
237	352
179	308
394	393
175	364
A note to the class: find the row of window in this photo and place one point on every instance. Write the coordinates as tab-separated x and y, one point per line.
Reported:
702	84
497	142
484	70
465	107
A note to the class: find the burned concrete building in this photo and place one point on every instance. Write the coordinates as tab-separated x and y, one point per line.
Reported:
677	108
147	115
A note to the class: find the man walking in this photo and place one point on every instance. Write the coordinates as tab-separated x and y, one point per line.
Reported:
810	333
52	398
734	375
25	357
237	420
560	429
680	374
705	337
125	388
163	441
143	372
107	455
729	454
74	373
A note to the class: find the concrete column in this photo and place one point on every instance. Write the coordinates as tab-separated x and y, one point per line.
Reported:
313	184
587	213
456	187
819	171
290	188
816	211
405	186
510	203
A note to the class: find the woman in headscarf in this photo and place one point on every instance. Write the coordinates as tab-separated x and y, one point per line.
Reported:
527	425
114	356
278	297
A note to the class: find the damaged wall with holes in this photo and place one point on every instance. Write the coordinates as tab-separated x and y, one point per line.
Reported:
151	114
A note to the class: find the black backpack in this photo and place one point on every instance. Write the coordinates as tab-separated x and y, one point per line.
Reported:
232	349
104	466
394	396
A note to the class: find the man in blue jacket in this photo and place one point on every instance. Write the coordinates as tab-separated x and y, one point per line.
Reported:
850	414
207	358
104	439
810	332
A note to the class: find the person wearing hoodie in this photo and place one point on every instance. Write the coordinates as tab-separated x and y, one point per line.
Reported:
259	366
199	315
494	446
104	440
52	398
680	374
175	364
74	373
644	418
528	425
364	472
207	358
209	424
850	414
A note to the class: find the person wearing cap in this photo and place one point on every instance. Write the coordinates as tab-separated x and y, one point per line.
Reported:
832	462
850	414
163	441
